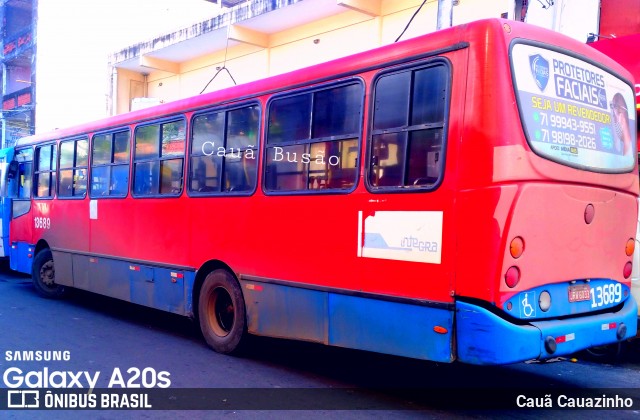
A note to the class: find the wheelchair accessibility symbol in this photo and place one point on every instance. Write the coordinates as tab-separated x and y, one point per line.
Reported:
527	305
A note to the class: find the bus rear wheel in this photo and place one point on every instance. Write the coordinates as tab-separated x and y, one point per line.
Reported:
609	353
43	275
222	312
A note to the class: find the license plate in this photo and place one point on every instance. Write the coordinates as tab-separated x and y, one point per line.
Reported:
579	292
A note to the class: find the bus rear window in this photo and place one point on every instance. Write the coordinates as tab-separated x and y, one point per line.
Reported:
574	112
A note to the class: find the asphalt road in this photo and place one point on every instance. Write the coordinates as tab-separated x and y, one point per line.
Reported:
111	342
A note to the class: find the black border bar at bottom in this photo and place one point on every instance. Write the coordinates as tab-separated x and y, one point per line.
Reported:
319	399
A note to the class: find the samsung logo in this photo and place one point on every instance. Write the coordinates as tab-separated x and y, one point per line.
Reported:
37	355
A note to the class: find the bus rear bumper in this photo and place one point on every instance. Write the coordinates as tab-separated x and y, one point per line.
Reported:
485	338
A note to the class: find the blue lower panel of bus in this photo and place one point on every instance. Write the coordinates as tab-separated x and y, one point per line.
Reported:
383	326
156	287
21	257
390	327
485	338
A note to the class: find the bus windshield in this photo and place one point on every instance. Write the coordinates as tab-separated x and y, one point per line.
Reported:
574	112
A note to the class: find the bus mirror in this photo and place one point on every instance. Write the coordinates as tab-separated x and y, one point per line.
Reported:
12	171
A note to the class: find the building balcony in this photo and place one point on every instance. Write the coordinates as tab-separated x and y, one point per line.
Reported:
17	100
17	44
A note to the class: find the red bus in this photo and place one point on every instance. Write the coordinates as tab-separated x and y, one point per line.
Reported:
463	195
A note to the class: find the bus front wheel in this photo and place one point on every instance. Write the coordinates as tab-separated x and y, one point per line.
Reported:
222	312
43	275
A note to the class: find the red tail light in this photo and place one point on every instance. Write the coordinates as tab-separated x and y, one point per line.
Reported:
512	276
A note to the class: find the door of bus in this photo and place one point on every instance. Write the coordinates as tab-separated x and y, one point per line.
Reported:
7	186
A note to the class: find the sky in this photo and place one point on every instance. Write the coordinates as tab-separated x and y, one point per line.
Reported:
74	40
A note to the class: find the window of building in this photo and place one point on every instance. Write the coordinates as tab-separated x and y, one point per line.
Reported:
110	164
159	159
45	171
224	148
313	138
74	159
407	143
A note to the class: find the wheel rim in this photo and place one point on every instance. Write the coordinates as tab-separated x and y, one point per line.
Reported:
221	312
48	275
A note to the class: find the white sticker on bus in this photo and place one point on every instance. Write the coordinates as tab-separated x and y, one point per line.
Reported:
402	235
93	209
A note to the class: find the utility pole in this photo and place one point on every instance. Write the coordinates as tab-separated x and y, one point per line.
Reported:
445	14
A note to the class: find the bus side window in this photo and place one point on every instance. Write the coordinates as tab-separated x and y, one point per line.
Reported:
110	164
25	170
388	169
207	139
289	119
313	138
45	171
224	151
146	177
171	176
12	170
119	180
158	159
408	128
72	177
204	174
241	163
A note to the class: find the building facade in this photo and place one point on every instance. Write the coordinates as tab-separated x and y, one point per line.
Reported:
260	38
17	65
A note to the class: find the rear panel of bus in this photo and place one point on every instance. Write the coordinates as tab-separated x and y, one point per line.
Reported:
551	201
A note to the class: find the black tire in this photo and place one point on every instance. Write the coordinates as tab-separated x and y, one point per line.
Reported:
43	275
221	312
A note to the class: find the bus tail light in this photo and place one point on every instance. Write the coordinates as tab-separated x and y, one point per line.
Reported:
628	267
512	276
630	247
516	247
